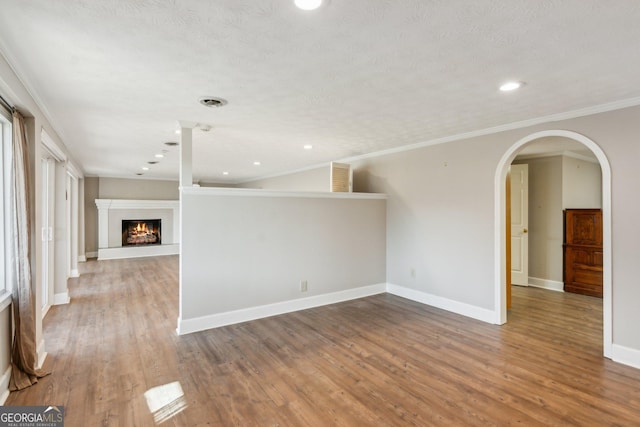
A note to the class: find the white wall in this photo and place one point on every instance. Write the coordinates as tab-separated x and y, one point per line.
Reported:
317	179
581	184
244	249
440	213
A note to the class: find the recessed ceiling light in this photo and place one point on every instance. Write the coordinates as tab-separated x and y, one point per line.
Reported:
159	156
509	86
178	131
308	4
171	143
225	173
144	168
307	146
256	163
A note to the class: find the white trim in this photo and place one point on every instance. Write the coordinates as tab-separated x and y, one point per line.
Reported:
572	114
5	300
74	170
625	355
249	192
500	305
92	255
558	154
187	326
61	298
45	310
4	385
136	204
107	205
135	177
457	307
74	273
82	258
138	251
52	147
41	353
551	285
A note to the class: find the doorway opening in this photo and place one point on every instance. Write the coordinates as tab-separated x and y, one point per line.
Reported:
501	258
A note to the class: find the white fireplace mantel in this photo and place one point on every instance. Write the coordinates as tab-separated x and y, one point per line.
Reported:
109	210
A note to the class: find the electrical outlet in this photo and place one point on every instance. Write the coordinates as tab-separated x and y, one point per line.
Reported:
413	273
303	286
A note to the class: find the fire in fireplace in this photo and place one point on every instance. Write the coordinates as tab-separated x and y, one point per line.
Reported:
137	232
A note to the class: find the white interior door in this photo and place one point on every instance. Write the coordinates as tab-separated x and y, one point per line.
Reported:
520	225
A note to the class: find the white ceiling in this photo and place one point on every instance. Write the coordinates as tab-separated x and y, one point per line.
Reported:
354	77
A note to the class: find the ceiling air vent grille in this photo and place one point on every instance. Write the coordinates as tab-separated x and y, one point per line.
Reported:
209	101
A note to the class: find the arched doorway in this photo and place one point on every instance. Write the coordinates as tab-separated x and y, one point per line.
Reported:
500	227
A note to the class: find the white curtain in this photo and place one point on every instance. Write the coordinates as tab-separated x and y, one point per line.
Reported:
23	353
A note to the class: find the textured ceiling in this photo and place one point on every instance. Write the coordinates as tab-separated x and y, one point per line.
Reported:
354	77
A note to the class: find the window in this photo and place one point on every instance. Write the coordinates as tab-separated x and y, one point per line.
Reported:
5	167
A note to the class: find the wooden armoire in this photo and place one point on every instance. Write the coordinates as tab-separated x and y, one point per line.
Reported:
583	251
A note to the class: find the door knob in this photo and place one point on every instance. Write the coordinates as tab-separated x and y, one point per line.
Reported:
524	230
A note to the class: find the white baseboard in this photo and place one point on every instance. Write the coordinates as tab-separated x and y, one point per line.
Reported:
82	258
91	255
187	326
625	355
41	353
61	298
457	307
4	385
551	285
138	251
74	273
45	310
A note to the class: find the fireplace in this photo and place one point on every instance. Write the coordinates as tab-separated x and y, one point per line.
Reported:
139	232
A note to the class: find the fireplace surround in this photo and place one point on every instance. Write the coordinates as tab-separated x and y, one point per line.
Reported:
163	241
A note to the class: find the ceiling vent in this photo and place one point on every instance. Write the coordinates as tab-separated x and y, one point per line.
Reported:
210	101
171	143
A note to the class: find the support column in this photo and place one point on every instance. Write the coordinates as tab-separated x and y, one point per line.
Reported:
186	153
186	180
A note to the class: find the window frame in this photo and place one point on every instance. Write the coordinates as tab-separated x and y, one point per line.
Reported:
6	136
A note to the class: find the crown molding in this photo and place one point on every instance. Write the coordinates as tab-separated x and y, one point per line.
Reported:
573	114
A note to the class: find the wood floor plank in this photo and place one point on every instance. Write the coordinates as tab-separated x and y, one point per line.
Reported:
377	361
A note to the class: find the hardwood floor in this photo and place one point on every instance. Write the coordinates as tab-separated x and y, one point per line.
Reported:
378	361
